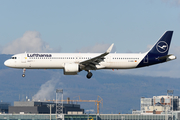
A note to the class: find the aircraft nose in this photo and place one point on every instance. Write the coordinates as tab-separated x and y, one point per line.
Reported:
7	63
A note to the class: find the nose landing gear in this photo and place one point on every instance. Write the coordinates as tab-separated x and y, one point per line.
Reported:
89	75
24	70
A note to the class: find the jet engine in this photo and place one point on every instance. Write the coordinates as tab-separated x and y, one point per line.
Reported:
71	69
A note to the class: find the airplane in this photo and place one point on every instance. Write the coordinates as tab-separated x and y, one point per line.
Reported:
73	63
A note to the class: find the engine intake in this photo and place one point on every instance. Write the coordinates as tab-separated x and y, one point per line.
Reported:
71	69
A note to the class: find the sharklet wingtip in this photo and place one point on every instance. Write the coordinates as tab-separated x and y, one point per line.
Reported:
110	48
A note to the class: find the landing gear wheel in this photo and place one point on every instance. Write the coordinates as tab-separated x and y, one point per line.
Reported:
23	75
24	70
89	75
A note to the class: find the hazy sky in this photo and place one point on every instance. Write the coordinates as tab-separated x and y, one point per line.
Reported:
85	26
71	25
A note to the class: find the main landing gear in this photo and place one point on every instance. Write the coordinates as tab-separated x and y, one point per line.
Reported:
89	75
24	70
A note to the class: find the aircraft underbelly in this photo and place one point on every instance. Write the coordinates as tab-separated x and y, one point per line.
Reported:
121	65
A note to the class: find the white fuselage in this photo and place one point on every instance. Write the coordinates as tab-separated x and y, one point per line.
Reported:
72	63
57	60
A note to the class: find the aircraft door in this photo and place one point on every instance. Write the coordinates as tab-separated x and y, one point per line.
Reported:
146	59
108	58
23	58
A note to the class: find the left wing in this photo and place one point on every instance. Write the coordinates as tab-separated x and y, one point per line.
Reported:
96	60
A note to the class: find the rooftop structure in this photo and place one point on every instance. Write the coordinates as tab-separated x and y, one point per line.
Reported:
35	107
160	104
4	107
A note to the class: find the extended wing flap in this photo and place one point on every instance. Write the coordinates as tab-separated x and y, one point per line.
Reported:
95	63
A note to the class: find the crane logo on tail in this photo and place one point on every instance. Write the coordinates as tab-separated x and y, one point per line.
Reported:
162	47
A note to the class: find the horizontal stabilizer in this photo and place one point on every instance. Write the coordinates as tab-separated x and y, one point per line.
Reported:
167	57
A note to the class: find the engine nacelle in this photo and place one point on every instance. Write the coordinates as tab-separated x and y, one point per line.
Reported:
171	57
71	68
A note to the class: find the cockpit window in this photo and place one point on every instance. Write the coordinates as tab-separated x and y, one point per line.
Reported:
13	57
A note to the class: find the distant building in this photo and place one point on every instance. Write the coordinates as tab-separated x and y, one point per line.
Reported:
42	108
4	107
160	104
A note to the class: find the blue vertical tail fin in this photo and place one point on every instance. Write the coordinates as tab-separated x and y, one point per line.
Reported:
161	48
159	52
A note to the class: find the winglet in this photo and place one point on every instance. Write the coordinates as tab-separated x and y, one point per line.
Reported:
110	48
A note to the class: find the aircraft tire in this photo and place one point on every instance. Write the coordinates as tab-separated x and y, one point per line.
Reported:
23	75
89	75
